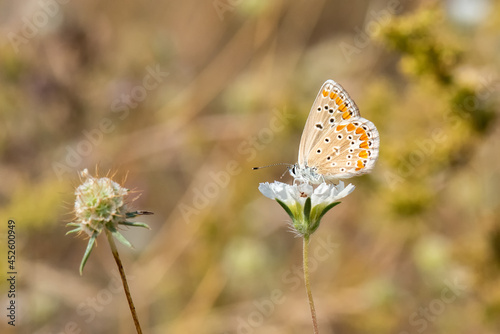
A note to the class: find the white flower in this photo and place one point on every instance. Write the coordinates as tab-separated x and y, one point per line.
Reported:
303	203
290	194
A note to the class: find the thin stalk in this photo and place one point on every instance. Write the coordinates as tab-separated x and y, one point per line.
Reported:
308	285
124	281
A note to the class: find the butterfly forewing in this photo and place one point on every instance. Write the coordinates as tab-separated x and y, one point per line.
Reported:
331	107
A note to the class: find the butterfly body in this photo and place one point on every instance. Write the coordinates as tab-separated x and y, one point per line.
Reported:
337	143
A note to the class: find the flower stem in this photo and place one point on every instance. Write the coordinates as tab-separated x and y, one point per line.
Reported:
124	281
308	285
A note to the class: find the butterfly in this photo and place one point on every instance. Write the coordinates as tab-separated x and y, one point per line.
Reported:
337	143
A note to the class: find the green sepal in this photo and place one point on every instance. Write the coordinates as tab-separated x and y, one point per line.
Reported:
72	224
317	220
138	213
135	224
90	246
307	210
327	208
118	236
78	229
287	209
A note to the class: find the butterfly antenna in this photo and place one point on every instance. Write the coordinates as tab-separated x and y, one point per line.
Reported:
277	164
284	173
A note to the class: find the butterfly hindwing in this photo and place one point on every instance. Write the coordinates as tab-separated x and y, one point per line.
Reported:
346	150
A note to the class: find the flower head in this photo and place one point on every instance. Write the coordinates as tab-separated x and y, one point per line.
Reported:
100	205
303	203
99	202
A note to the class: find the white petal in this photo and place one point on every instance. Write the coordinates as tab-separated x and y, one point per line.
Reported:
329	193
266	190
305	188
323	189
345	191
322	193
281	190
284	192
299	193
293	195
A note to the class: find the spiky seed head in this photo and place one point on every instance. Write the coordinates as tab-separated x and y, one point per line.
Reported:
100	202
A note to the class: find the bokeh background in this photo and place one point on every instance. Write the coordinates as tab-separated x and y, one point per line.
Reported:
180	99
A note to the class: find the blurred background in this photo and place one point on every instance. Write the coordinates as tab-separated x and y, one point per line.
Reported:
180	99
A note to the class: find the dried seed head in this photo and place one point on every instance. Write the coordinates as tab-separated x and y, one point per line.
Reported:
100	202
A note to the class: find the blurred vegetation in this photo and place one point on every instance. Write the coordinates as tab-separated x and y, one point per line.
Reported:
416	244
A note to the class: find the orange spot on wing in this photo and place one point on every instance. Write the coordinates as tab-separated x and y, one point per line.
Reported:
338	100
340	127
350	127
346	115
363	145
357	169
363	154
363	137
359	130
359	164
343	107
325	93
333	96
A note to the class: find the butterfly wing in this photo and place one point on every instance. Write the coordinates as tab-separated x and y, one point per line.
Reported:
331	107
346	150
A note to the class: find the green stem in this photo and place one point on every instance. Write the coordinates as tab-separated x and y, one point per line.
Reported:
308	285
124	281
